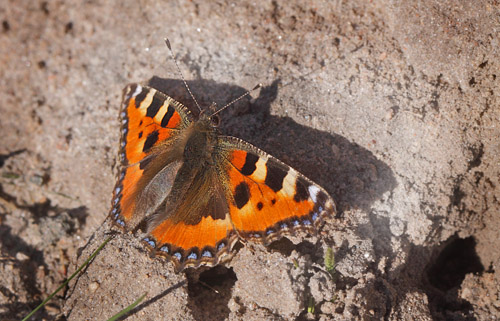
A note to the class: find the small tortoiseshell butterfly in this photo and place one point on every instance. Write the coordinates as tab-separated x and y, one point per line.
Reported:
196	192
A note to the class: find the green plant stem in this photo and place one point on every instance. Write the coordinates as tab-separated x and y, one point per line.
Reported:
127	309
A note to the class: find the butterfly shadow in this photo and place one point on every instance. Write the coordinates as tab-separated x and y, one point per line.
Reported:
352	175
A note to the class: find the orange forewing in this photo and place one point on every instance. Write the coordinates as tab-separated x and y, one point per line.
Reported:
141	124
129	183
148	119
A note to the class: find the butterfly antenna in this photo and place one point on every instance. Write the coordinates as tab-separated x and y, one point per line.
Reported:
167	42
237	99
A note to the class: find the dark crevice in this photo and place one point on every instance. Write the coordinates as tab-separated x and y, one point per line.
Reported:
445	275
5	26
209	291
477	155
4	157
457	193
283	246
457	259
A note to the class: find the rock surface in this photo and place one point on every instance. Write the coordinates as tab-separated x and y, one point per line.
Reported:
392	106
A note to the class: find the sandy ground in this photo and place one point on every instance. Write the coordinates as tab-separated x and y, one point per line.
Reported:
392	106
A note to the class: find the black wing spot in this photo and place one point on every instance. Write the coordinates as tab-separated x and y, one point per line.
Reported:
260	206
241	195
273	201
301	192
131	89
154	107
140	98
275	176
150	141
166	118
249	166
140	135
321	198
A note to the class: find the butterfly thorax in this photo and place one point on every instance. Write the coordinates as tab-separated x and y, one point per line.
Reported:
200	143
199	171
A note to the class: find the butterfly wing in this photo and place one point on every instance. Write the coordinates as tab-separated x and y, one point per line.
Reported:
244	193
150	152
268	198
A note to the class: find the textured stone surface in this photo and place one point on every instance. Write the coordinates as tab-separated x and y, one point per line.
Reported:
391	106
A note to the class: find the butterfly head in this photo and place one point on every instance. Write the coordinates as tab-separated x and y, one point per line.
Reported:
210	115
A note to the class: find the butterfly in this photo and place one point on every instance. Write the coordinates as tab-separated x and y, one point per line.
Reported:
195	192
